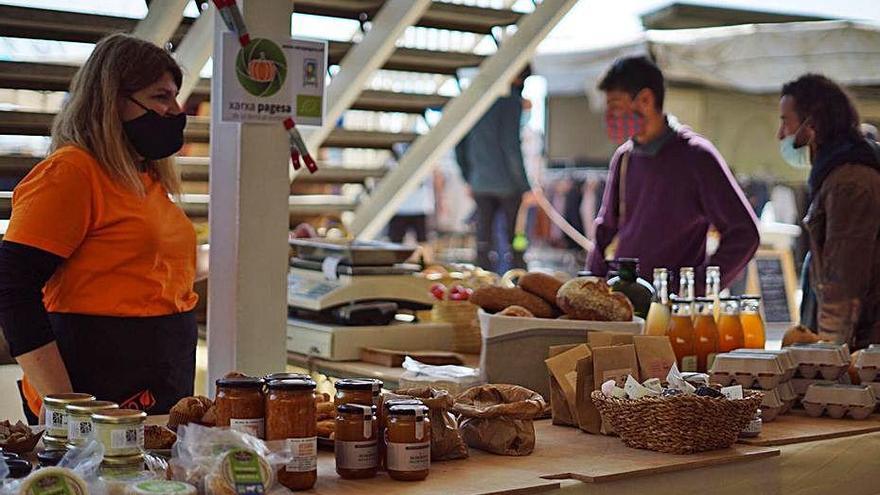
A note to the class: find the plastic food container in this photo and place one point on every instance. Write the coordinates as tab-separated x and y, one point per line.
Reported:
868	364
837	401
763	371
785	359
121	431
772	405
821	360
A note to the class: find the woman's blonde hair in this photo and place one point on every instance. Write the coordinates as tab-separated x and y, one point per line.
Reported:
90	118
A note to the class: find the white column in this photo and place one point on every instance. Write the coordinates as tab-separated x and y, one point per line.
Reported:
247	298
459	115
161	21
195	50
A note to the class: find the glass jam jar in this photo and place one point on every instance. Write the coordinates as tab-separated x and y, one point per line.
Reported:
356	444
121	431
291	415
241	405
56	415
271	377
355	391
383	420
79	420
408	437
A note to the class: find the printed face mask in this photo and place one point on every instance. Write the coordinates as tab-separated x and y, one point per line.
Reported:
624	126
153	136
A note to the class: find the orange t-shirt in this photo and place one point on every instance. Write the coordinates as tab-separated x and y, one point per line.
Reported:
126	254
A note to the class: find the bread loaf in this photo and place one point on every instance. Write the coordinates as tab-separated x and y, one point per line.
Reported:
590	298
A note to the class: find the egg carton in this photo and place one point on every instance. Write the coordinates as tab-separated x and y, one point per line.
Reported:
763	371
837	401
876	387
787	395
828	361
785	359
800	385
868	364
772	405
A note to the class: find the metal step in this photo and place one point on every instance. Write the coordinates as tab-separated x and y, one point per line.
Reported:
197	131
24	22
195	169
55	77
439	15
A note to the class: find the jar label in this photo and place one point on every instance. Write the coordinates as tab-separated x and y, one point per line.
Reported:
79	430
246	472
304	454
56	422
689	363
254	427
55	484
131	437
357	455
409	456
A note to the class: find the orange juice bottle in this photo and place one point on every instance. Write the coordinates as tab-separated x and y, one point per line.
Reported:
713	288
706	345
730	330
752	323
681	334
658	314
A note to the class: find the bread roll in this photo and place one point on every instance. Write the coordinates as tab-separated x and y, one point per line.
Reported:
494	299
517	311
542	285
590	298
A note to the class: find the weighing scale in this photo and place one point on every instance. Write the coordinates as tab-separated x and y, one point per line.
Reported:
345	295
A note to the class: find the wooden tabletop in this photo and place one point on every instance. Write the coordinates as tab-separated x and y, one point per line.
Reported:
798	427
359	369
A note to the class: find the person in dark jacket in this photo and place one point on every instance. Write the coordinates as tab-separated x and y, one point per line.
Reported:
820	128
491	161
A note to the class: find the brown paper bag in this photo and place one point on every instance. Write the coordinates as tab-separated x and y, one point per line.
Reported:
563	368
655	356
561	410
609	363
605	339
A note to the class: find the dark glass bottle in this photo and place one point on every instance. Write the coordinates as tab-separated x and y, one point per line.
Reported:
636	289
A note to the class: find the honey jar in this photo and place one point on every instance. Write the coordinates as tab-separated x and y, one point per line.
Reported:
356	444
291	415
241	405
408	436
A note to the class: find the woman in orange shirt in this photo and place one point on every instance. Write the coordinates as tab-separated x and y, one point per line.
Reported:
98	263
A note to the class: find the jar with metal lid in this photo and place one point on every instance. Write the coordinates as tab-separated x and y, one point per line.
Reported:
122	465
383	420
79	419
241	405
291	415
354	391
408	439
356	441
121	431
377	392
56	414
271	377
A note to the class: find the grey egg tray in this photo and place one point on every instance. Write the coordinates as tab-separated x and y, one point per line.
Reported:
838	401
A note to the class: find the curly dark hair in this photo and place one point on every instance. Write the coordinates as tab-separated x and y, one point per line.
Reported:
831	110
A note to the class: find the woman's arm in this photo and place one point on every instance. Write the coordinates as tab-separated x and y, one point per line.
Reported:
45	370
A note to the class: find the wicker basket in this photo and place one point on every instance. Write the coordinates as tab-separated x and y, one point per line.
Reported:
462	315
683	424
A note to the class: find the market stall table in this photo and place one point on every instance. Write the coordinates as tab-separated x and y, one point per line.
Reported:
798	427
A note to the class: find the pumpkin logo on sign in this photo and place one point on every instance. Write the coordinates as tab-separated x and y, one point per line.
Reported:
261	67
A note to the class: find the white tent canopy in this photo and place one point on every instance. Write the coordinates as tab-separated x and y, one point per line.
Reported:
752	58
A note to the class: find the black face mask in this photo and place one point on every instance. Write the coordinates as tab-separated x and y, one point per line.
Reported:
155	137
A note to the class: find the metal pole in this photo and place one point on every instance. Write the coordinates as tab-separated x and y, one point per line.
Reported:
459	116
161	21
195	50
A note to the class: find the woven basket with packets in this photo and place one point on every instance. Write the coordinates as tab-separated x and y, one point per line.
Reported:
682	424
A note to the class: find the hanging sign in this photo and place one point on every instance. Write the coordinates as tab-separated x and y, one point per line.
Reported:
270	80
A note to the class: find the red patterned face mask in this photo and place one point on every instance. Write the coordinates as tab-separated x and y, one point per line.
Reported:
624	126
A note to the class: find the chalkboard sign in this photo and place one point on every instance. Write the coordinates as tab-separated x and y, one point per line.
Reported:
773	292
772	275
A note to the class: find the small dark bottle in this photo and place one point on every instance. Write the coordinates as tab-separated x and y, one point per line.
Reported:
636	289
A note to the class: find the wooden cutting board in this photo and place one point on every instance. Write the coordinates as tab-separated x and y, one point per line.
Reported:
798	427
394	359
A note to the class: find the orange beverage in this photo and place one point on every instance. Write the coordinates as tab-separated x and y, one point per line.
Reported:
706	345
658	314
681	334
730	330
752	323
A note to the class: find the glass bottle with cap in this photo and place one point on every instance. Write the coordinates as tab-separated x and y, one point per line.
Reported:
240	404
356	443
713	288
681	334
636	289
291	415
408	435
730	330
754	336
706	345
686	284
658	316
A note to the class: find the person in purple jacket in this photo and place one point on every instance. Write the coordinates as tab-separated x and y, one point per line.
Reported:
666	186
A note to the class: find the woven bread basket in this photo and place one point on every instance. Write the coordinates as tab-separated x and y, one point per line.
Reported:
682	424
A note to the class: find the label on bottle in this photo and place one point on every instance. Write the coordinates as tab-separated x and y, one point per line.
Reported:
357	455
710	360
304	455
689	363
255	427
131	437
409	456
